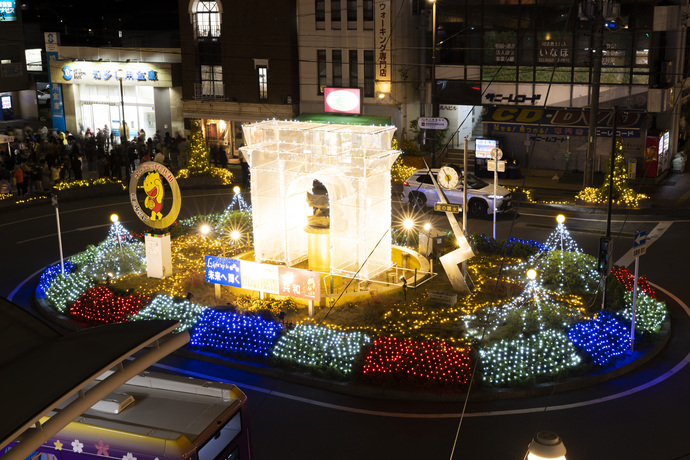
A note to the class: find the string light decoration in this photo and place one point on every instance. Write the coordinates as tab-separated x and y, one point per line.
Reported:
197	152
627	279
231	333
321	348
622	194
239	202
84	183
64	290
527	359
603	337
535	310
650	313
100	305
48	276
401	172
165	307
420	360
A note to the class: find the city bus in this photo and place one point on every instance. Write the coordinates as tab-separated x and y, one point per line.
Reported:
155	416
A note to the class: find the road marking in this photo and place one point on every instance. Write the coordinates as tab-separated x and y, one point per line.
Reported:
51	235
682	198
652	236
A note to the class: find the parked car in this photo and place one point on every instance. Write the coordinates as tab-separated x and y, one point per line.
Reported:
419	191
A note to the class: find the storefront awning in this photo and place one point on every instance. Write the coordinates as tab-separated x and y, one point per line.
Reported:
345	119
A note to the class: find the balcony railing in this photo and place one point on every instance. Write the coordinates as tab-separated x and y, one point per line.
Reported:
209	92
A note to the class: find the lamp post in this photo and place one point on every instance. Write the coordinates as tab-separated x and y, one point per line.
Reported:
123	126
546	445
434	110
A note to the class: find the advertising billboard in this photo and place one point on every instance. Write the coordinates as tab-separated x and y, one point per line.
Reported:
342	100
483	147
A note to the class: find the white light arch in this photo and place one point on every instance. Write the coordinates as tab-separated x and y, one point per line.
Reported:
352	162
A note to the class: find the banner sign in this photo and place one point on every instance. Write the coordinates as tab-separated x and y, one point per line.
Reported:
272	279
571	122
382	21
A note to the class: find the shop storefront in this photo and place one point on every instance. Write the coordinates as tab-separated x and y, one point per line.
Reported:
95	94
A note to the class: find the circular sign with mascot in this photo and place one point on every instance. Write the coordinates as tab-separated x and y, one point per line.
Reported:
153	175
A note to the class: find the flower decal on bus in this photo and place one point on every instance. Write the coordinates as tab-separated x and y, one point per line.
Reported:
77	446
102	448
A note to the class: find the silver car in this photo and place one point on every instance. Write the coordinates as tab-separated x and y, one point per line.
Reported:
419	191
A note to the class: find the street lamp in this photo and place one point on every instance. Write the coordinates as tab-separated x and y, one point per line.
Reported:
123	127
546	445
434	110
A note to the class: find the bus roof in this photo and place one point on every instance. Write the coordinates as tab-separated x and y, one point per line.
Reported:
156	415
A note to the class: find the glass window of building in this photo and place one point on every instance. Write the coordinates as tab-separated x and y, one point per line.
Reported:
335	14
354	71
320	14
207	20
368	14
321	71
337	64
351	14
212	80
263	82
369	73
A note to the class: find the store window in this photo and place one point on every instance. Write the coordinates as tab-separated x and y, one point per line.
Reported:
206	20
368	14
321	70
212	80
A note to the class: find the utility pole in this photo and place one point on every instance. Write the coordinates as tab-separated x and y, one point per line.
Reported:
594	11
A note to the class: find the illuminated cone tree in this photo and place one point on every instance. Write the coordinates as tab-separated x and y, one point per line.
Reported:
197	152
621	191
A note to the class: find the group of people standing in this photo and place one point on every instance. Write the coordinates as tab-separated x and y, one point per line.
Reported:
38	160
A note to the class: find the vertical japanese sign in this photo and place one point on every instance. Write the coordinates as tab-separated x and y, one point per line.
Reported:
382	32
56	104
272	279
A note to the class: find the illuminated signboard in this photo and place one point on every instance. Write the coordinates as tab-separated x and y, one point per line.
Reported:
6	101
105	73
272	279
483	147
7	11
342	100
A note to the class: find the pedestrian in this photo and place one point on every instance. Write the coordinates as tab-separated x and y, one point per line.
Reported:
45	175
245	171
18	176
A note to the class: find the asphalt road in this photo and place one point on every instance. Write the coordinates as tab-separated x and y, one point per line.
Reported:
639	416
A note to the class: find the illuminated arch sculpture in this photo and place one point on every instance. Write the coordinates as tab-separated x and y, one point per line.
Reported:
352	162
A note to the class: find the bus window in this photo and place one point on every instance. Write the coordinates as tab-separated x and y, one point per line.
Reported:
215	446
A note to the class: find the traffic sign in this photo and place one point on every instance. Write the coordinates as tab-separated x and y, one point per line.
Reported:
432	123
640	243
496	153
640	238
446	207
494	165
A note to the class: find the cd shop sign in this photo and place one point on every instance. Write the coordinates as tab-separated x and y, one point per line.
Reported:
562	118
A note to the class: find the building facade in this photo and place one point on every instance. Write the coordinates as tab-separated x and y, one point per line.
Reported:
17	99
370	45
532	67
239	65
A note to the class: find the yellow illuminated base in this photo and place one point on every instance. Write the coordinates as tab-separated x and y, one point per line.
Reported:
319	249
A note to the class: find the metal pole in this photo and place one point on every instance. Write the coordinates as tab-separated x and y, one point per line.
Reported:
610	198
464	200
434	110
632	326
54	201
495	191
597	45
123	135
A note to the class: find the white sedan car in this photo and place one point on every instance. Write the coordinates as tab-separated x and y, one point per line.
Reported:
419	191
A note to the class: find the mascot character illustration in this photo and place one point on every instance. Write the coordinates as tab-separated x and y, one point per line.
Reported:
154	195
